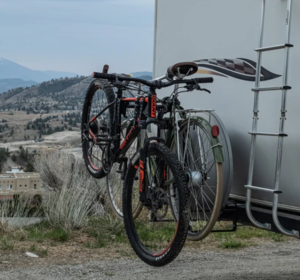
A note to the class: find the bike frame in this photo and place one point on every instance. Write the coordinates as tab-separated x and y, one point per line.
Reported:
140	120
178	115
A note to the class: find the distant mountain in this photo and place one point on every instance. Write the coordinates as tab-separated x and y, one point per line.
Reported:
12	70
7	84
142	75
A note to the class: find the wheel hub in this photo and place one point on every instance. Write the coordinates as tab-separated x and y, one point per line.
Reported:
194	178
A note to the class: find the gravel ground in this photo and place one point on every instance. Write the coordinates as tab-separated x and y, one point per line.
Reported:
270	261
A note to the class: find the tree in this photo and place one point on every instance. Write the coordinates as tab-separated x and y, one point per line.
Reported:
23	154
3	157
13	158
29	167
50	130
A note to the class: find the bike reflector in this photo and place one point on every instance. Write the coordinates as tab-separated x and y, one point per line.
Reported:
215	131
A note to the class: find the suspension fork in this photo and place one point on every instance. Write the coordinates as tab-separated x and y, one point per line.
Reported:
117	123
145	191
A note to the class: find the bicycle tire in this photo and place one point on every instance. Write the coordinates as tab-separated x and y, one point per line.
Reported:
206	198
114	182
227	153
104	94
169	233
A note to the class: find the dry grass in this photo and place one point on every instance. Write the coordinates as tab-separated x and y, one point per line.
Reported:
73	196
18	209
244	236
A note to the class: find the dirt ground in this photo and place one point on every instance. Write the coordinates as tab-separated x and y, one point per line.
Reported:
268	261
18	122
69	141
55	140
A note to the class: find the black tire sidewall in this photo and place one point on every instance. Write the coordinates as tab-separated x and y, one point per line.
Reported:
110	96
183	192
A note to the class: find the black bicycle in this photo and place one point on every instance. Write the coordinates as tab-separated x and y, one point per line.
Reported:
156	194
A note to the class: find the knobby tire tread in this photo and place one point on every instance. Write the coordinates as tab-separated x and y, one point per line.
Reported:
184	196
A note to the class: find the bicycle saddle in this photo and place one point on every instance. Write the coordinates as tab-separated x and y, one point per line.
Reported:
182	69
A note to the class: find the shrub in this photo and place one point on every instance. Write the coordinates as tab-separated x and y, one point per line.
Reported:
73	194
20	207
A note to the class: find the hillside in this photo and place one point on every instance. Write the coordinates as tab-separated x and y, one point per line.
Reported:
32	112
45	96
142	75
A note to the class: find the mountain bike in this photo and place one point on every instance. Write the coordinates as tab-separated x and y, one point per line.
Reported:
195	141
154	178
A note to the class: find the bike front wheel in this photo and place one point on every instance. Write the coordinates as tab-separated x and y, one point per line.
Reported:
156	235
115	179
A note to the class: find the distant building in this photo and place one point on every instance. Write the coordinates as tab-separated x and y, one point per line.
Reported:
19	183
15	169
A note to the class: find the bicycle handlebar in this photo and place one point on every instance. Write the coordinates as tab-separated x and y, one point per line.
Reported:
154	83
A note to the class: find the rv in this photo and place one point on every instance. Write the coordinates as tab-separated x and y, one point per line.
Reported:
251	49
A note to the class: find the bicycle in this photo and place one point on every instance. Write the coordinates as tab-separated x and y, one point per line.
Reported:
196	143
162	187
206	201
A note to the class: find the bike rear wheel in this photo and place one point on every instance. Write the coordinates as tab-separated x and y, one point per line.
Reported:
204	175
96	156
115	179
156	235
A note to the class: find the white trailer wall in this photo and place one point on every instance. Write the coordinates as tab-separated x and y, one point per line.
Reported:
205	29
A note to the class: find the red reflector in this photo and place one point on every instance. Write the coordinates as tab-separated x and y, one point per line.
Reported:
215	131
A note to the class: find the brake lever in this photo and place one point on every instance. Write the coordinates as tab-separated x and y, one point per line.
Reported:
195	86
206	90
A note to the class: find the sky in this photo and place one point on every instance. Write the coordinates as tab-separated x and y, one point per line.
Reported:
78	36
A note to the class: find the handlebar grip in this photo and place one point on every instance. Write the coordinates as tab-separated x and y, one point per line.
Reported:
204	80
104	76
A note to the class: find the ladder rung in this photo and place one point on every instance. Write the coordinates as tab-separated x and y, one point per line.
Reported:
276	47
272	88
262	189
268	134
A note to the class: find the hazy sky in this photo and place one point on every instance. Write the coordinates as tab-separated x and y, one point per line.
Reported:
78	35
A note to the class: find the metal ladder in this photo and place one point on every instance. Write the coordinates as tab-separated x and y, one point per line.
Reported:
280	134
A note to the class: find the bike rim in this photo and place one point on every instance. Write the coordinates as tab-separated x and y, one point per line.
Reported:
200	168
96	153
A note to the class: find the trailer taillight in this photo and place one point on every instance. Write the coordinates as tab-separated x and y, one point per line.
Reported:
215	131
